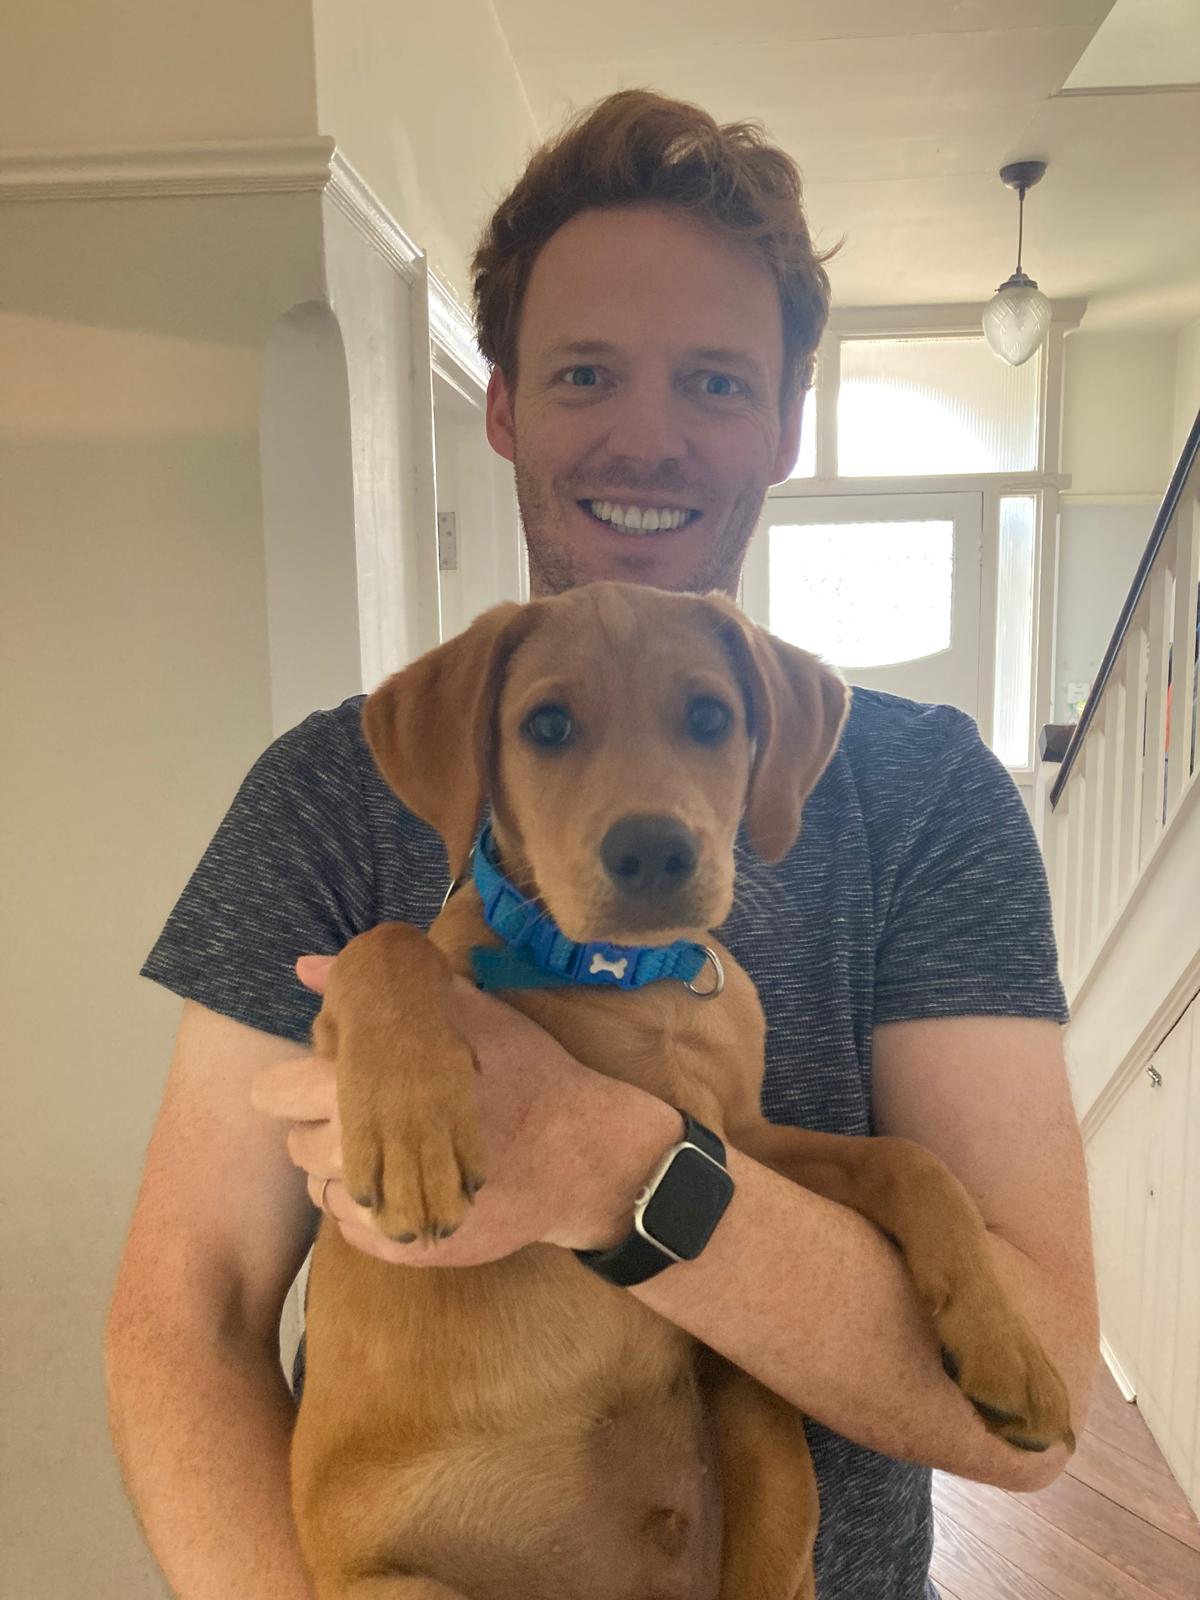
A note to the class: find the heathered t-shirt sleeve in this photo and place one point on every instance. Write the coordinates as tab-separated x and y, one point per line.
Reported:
968	929
288	873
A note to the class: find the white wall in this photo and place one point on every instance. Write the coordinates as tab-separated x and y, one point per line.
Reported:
1118	412
1119	399
145	72
139	668
1098	552
137	692
426	102
1187	384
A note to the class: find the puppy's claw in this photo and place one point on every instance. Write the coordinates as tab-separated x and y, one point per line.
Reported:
993	1414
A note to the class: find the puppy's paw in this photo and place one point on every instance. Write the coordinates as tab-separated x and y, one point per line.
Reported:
411	1149
994	1357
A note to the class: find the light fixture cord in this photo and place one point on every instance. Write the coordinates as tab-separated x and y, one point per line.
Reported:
1020	225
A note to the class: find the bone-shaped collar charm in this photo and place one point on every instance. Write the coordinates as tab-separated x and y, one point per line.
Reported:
617	968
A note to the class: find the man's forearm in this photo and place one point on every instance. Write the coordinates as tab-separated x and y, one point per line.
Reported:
202	1428
811	1299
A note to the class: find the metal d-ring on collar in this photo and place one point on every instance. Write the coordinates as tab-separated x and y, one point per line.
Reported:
718	969
457	883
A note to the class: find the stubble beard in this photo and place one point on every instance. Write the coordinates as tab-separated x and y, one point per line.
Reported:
552	570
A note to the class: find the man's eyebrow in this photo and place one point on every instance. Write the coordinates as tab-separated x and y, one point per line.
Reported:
726	356
717	355
581	347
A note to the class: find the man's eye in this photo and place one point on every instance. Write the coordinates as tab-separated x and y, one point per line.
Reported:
548	725
582	377
708	719
721	384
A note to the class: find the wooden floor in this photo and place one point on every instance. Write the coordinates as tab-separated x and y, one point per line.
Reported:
1114	1526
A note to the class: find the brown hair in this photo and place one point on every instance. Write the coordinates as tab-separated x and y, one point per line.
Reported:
637	146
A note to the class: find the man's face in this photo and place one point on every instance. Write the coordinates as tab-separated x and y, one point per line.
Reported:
649	361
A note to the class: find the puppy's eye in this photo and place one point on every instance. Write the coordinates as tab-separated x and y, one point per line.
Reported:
548	725
708	719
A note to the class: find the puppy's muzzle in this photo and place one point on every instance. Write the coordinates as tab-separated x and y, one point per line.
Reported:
650	857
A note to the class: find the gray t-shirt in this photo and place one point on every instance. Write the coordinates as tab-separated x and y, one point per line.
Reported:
915	890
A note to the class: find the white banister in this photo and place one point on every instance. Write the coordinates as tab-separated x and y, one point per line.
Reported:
1130	770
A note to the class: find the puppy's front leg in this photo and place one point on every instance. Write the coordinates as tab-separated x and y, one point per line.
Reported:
411	1147
988	1348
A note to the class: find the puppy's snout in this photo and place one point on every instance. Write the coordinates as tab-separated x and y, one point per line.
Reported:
649	855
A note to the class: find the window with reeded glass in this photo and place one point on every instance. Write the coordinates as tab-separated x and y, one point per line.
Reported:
924	406
806	459
1012	711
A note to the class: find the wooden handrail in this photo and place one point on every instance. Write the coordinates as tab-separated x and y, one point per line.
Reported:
1157	534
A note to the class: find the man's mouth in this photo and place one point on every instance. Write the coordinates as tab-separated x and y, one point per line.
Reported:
639	519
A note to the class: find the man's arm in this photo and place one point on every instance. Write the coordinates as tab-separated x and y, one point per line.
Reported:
199	1410
810	1298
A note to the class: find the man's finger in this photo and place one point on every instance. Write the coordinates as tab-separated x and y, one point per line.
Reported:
304	1090
313	972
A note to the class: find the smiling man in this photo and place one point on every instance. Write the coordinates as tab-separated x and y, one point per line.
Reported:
651	302
642	450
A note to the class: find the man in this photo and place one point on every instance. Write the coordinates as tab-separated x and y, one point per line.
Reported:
651	301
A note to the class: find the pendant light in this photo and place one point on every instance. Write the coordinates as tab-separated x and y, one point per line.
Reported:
1017	318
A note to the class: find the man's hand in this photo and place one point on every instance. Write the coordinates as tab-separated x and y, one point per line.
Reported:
565	1148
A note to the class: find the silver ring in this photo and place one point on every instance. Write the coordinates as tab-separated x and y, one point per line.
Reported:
446	897
708	994
458	882
322	1204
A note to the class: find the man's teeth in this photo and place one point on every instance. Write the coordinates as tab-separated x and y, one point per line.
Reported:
640	519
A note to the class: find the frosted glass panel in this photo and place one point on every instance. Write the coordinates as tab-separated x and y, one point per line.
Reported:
863	594
806	461
1014	631
918	407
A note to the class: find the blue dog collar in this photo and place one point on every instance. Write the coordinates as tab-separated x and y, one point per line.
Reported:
539	956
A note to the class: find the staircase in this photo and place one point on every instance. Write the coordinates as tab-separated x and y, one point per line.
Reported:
1117	807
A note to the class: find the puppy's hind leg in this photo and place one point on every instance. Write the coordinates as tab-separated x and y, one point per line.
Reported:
769	1487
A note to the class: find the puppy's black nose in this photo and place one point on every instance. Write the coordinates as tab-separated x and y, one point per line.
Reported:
649	855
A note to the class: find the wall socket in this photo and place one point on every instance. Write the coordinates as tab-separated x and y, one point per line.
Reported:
447	541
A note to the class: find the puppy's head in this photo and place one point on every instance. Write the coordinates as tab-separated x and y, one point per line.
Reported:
621	733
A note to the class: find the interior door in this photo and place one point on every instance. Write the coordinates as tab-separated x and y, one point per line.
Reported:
886	587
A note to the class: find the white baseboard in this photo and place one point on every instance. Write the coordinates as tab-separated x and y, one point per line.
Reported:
1128	1389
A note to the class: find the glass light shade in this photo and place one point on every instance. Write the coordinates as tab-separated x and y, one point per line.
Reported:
1016	319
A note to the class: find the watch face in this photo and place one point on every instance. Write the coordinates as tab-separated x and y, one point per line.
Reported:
688	1203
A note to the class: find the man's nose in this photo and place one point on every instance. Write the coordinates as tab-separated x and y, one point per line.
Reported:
647	425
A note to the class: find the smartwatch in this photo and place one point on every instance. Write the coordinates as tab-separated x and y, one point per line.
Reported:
675	1214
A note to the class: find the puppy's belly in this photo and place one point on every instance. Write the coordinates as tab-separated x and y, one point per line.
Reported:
551	1444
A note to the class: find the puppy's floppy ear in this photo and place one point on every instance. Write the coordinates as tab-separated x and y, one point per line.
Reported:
431	726
796	707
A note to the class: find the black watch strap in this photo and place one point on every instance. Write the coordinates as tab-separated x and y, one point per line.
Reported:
638	1258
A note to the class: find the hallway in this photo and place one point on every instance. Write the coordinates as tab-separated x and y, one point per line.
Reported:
1114	1526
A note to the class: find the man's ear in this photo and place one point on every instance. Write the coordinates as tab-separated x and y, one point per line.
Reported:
431	726
797	707
501	428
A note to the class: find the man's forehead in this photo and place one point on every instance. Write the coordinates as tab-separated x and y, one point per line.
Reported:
605	274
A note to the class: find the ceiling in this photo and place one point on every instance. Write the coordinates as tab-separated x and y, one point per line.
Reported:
900	114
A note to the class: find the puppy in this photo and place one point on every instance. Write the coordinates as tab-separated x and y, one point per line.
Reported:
525	1430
